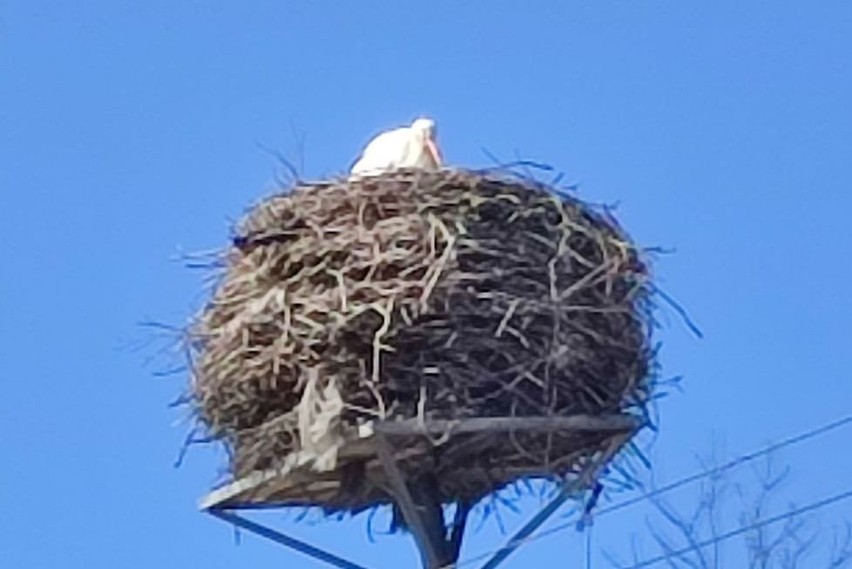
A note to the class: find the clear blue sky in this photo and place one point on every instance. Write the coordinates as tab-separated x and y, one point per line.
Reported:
131	131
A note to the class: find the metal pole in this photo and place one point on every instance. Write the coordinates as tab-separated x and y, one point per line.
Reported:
423	516
283	539
584	479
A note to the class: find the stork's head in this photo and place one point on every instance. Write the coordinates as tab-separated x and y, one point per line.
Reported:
427	133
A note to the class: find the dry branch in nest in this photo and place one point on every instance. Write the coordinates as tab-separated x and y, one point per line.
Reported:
427	297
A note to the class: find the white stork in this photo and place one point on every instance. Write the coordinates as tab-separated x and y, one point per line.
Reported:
412	146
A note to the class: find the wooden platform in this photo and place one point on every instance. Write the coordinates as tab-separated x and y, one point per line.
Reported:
297	483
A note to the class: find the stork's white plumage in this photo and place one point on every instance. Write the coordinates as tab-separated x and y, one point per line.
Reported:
412	146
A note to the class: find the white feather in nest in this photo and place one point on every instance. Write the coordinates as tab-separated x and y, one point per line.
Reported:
318	415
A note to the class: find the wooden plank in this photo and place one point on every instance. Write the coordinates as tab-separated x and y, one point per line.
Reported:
295	469
295	479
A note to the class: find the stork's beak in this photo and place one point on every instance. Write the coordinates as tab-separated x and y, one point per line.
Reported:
434	152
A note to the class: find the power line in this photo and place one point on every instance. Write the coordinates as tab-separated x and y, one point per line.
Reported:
742	459
731	464
733	533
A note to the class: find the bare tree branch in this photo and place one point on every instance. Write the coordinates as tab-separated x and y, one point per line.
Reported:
792	543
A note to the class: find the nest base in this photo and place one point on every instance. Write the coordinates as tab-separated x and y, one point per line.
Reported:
297	483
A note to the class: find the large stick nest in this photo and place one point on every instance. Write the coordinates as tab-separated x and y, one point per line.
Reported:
421	295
